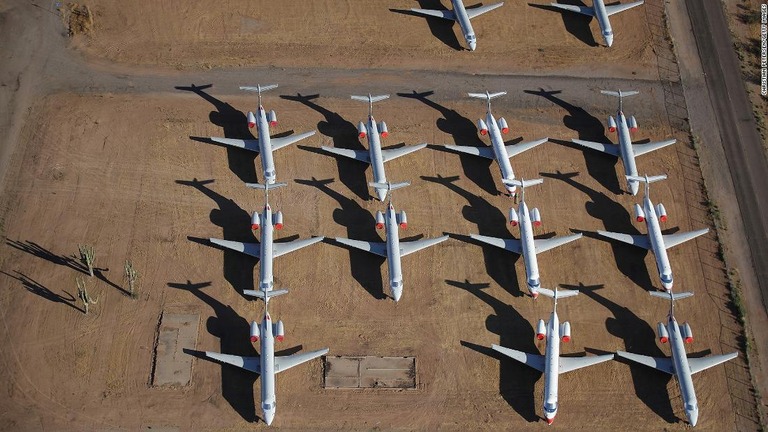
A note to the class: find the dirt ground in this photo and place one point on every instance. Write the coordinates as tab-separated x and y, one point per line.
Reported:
119	171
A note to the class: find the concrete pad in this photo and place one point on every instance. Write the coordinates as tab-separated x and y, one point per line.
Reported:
172	366
370	372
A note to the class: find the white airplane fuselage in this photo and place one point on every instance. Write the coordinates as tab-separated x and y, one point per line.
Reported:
598	6
393	253
656	239
377	161
529	250
267	359
500	150
460	12
551	367
265	147
266	279
626	152
682	371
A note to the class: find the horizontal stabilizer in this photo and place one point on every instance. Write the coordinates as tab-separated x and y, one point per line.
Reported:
522	182
487	96
251	144
700	364
611	149
248	363
360	155
287	362
252	249
265	295
535	361
389	154
640	241
673	296
279	249
672	240
559	293
476	11
278	143
567	364
259	88
410	247
370	98
619	93
647	179
614	9
516	149
584	10
641	149
485	152
376	248
543	245
512	245
389	186
265	186
661	363
444	14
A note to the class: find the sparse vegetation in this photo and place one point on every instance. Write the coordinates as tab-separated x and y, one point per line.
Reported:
87	255
131	278
82	294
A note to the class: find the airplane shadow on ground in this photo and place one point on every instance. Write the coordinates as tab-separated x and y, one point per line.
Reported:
235	225
575	23
630	260
235	125
360	225
442	29
639	337
37	288
517	382
490	221
464	132
233	332
344	135
600	166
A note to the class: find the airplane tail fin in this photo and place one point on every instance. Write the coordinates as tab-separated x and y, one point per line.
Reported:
370	99
265	295
620	94
487	95
259	88
647	179
556	293
523	183
671	295
265	187
389	186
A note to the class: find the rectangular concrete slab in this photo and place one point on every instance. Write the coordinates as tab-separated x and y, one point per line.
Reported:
172	366
370	372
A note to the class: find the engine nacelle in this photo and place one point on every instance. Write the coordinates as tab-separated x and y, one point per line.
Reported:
379	220
482	127
251	120
541	330
503	125
639	213
361	130
254	331
513	218
277	219
687	333
661	212
632	123
255	221
272	118
565	331
661	329
279	330
536	217
402	219
383	131
611	124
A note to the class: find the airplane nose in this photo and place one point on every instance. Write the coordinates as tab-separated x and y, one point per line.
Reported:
472	46
396	294
269	416
693	417
534	294
550	420
633	187
381	194
609	41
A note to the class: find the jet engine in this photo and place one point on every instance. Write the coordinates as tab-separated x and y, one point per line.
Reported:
361	131
565	331
662	212
402	219
482	127
541	330
379	220
279	331
639	213
687	333
278	220
662	331
513	219
632	123
251	120
272	118
503	125
383	130
536	217
611	124
254	331
255	221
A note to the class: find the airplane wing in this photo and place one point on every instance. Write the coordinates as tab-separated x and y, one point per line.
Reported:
252	145
611	149
568	364
388	155
672	240
511	245
551	243
444	14
700	364
535	361
516	149
473	12
485	152
661	363
635	240
376	248
248	363
578	9
610	10
251	249
641	149
410	247
287	362
278	143
360	155
288	247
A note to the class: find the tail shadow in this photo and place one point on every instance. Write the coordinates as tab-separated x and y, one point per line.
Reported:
442	29
575	23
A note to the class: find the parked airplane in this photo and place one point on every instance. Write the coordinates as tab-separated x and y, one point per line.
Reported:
266	249
393	249
625	150
551	364
654	241
462	16
679	364
600	11
267	364
264	145
527	246
375	156
498	151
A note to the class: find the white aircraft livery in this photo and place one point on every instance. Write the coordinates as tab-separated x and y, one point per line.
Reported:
461	15
393	249
679	364
375	156
625	150
655	241
600	11
498	151
551	364
267	365
264	145
527	246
